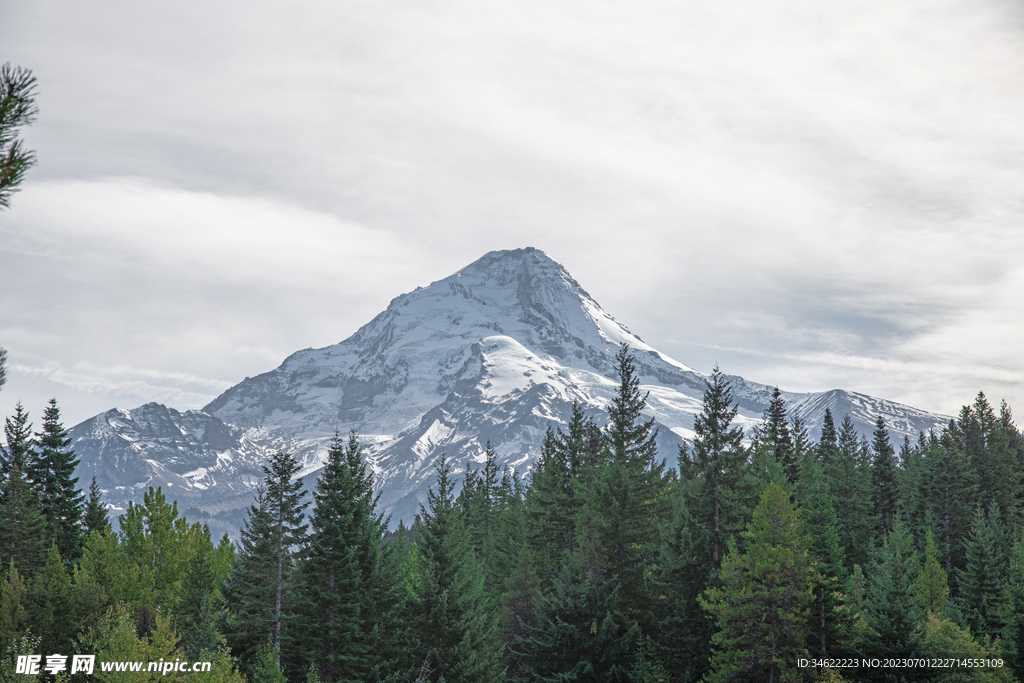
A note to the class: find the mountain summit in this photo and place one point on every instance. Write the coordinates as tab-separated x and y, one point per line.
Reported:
494	352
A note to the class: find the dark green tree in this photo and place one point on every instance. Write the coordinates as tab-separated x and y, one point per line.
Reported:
19	453
21	525
714	476
891	605
932	587
17	109
61	500
342	566
828	444
761	606
984	575
95	517
884	473
773	441
951	489
456	633
850	486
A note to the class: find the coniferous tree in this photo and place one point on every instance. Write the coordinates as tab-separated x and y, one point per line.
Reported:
850	485
761	607
891	605
21	525
773	442
1013	609
283	499
95	516
829	623
951	492
932	587
342	563
984	575
628	502
17	109
61	500
884	473
13	600
250	590
828	444
18	453
456	633
714	478
50	599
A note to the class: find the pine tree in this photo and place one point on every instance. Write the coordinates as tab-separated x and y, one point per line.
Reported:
13	599
891	605
342	563
773	442
250	591
850	485
883	469
95	517
17	109
21	524
1013	606
951	491
830	623
195	617
60	498
982	579
715	477
283	499
761	607
50	600
628	502
456	633
931	587
828	444
19	453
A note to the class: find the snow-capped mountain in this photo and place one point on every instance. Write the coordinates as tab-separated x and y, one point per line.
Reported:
495	352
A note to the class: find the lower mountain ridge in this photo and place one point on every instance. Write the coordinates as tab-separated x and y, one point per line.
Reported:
495	352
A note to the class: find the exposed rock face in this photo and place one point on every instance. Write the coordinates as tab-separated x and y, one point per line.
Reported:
494	352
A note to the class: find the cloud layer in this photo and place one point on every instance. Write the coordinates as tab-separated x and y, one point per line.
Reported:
813	194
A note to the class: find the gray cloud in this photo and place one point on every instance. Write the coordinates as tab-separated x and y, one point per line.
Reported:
812	193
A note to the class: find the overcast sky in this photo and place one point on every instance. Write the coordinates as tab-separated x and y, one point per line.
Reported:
814	194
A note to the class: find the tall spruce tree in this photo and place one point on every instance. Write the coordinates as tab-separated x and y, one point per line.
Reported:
932	587
18	453
892	609
22	527
828	444
951	493
773	442
456	632
250	589
850	485
61	500
984	575
884	474
95	516
761	606
714	477
341	567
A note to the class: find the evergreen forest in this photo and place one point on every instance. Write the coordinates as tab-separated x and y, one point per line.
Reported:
762	557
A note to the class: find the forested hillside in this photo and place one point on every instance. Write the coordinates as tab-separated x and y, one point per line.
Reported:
768	559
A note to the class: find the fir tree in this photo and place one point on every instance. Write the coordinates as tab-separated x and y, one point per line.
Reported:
60	498
19	453
21	525
17	109
761	607
13	599
951	491
341	566
283	500
931	587
850	485
455	631
250	590
828	444
50	600
982	579
714	478
774	441
883	470
95	517
891	605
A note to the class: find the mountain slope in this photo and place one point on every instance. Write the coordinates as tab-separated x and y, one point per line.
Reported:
493	352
